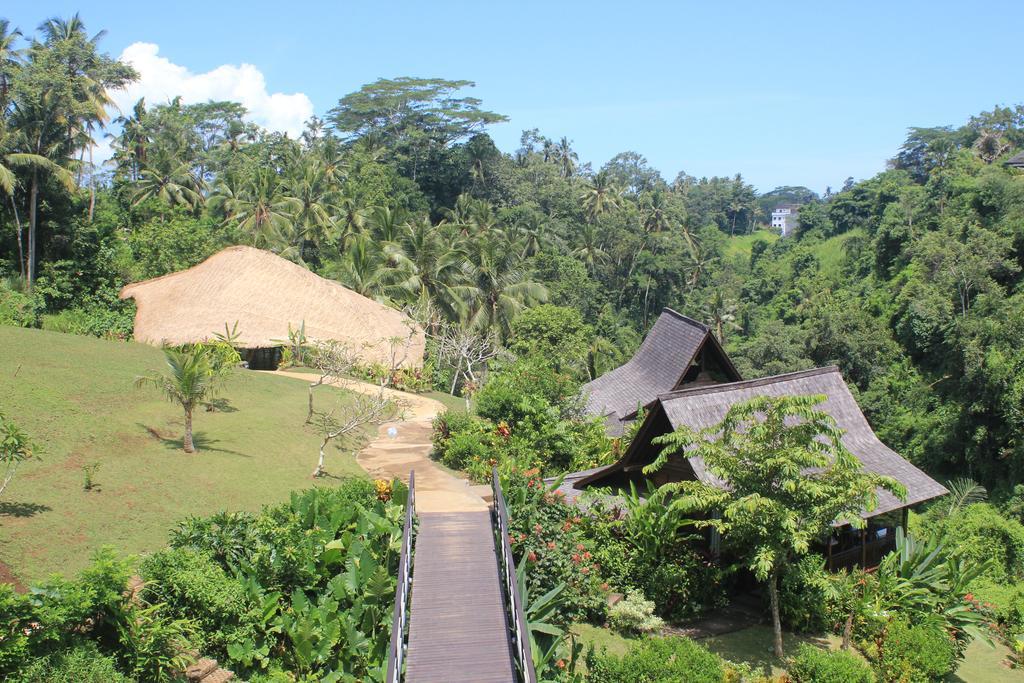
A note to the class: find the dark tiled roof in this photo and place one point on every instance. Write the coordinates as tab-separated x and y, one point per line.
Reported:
656	368
705	406
1016	160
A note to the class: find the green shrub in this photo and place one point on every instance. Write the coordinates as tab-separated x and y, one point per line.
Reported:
920	653
97	322
634	614
83	663
979	533
816	665
684	582
192	585
18	309
657	660
804	603
1006	602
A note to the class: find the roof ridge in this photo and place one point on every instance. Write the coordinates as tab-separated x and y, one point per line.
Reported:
684	318
760	381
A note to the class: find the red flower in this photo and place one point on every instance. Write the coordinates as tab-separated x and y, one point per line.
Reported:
580	546
560	663
551	545
575	558
537	528
585	570
605	587
532	557
586	555
969	597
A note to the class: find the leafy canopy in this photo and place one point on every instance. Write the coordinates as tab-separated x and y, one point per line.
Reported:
789	477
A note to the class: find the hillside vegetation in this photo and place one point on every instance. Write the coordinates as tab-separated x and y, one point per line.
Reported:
74	395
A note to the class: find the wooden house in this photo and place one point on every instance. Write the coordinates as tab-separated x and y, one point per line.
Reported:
678	352
703	406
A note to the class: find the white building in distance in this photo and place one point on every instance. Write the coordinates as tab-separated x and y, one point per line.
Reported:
784	217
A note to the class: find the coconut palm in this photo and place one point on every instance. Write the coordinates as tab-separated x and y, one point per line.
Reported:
438	267
600	197
10	160
589	250
498	287
384	275
170	180
264	210
566	157
10	59
654	212
721	313
190	381
313	206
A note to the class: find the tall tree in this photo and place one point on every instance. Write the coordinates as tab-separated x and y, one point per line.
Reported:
789	478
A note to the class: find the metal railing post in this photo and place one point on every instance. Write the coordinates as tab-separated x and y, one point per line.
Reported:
517	617
400	616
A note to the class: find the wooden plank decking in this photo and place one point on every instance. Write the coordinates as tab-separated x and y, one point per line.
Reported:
457	628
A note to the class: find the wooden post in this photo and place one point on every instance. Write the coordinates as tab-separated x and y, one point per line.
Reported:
831	537
864	548
905	519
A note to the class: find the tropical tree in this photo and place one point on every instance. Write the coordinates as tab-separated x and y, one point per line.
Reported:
265	210
565	156
589	250
498	288
789	479
191	380
15	448
600	197
170	180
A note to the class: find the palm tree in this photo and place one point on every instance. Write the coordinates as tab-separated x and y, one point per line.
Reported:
386	223
131	145
10	59
498	287
590	251
190	382
438	267
171	181
384	275
313	210
654	212
721	313
566	157
264	210
350	221
10	160
601	197
40	138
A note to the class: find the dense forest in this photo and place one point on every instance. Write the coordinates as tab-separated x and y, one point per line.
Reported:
909	281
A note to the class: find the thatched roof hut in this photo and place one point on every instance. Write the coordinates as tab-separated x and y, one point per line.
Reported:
265	294
705	406
677	352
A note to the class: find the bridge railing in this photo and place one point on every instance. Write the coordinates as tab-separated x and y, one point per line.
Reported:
514	606
400	617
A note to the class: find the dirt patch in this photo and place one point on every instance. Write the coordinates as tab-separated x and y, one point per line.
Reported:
8	576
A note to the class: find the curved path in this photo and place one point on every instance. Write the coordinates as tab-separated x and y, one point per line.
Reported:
387	457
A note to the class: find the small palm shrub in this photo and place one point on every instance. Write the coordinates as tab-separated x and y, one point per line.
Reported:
815	665
634	614
657	660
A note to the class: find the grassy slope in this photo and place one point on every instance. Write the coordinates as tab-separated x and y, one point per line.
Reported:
74	396
753	646
743	244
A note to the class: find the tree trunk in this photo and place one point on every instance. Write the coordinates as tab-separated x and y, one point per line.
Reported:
190	447
320	463
92	186
33	202
21	247
773	595
848	631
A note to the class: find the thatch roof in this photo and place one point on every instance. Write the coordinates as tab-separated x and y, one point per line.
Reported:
265	294
658	367
705	406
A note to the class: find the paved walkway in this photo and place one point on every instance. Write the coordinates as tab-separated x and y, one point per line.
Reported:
386	457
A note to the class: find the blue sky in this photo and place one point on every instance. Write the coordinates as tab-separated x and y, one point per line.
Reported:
786	93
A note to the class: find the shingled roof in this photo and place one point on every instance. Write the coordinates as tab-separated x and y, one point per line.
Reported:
705	406
1017	160
658	367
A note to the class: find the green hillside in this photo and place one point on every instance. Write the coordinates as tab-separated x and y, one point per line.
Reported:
741	245
74	396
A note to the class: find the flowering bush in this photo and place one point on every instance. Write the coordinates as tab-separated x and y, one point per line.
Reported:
546	533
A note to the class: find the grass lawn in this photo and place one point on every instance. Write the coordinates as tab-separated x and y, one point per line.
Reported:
753	646
74	396
742	245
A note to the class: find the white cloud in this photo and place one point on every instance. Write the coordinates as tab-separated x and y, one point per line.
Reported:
161	80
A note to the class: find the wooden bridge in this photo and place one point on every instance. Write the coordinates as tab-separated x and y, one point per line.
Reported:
464	621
